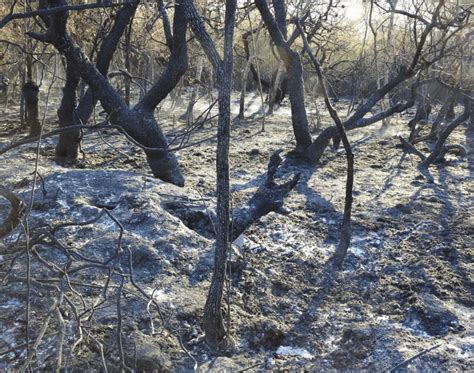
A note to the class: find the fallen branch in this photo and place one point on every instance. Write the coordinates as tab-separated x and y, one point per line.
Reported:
269	197
411	149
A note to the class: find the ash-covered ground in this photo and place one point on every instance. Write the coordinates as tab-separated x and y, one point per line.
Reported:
405	288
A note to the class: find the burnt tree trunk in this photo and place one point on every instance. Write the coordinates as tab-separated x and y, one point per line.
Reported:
294	68
67	149
213	322
30	93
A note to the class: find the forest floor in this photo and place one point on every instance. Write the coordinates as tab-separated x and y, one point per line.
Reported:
406	287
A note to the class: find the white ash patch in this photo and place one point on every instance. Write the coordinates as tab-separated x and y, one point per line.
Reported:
294	351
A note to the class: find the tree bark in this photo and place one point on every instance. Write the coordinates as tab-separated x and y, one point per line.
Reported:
213	322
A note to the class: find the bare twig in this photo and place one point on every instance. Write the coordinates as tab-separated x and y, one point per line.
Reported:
343	246
47	11
408	361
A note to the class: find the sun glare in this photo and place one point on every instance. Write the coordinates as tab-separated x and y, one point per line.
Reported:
354	10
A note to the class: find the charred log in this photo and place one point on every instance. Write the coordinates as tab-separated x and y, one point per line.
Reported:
269	197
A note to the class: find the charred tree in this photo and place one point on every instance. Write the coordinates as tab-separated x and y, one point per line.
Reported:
139	122
67	149
213	322
405	72
30	94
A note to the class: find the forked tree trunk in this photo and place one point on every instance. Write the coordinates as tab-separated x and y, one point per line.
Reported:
139	122
67	149
443	136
